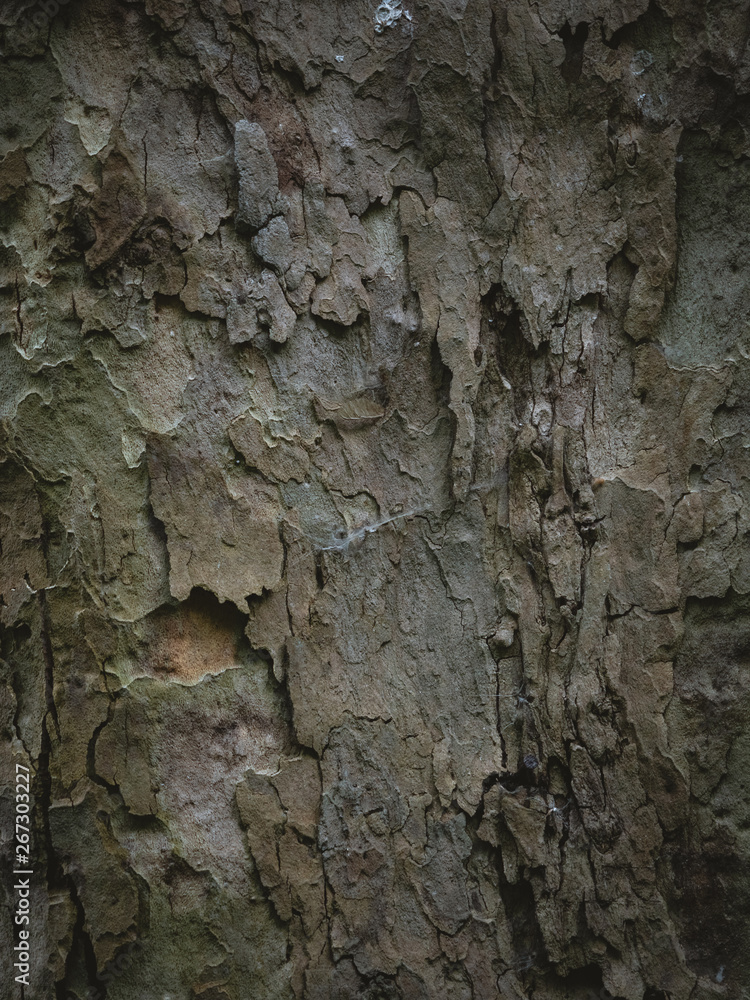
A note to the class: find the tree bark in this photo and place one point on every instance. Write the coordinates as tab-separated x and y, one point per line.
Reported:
375	563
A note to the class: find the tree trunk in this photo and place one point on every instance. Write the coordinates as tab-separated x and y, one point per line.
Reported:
375	561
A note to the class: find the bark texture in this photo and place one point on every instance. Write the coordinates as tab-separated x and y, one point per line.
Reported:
374	496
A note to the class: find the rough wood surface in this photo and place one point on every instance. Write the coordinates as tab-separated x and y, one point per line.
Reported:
375	580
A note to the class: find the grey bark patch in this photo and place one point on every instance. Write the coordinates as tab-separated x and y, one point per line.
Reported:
258	176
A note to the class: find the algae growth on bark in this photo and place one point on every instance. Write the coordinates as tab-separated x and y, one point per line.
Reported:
375	574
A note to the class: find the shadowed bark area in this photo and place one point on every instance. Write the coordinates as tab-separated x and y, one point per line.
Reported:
375	567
